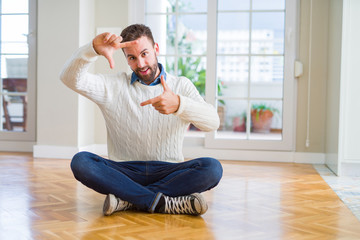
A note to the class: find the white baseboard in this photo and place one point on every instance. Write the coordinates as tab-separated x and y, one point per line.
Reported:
309	157
263	156
241	155
49	151
67	152
99	149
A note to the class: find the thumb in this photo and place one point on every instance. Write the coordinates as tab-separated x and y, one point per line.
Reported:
163	82
110	59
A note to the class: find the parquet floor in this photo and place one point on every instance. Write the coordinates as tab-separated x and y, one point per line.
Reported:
40	199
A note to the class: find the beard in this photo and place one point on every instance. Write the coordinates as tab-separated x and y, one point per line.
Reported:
150	75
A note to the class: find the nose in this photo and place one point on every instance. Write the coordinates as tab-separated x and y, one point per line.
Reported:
141	63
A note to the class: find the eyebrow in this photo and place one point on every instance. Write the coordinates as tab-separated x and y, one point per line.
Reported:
130	55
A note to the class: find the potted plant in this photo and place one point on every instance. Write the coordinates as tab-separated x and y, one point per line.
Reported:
261	117
239	123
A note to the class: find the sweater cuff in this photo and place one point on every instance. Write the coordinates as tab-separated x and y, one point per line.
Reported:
181	106
89	53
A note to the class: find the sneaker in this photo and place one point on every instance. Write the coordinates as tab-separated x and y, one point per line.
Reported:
193	204
113	204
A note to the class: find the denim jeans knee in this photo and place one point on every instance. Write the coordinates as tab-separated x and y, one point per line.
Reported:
79	161
214	170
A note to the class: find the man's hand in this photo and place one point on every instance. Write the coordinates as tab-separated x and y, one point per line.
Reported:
166	103
107	43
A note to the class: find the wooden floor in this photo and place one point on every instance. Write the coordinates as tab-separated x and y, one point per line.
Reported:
40	199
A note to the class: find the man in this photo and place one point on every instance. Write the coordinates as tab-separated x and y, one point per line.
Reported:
146	114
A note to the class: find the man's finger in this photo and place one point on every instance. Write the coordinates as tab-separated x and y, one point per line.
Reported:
150	101
163	82
113	39
110	60
112	63
107	36
127	44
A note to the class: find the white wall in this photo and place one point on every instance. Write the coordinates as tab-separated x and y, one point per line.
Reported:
350	84
86	121
333	84
64	119
318	74
57	107
67	122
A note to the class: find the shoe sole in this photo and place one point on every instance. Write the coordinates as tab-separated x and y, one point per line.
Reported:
109	205
202	201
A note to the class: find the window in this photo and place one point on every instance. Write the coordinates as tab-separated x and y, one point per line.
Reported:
182	43
17	71
250	68
238	50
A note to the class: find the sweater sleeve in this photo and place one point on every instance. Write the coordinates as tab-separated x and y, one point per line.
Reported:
75	75
195	110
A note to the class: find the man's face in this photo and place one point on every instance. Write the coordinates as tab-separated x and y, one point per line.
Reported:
141	58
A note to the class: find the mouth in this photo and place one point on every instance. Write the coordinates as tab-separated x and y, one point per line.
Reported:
144	71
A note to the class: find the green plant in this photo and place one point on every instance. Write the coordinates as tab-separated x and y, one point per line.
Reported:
262	107
189	67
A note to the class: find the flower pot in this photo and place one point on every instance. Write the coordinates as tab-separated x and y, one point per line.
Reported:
239	124
261	120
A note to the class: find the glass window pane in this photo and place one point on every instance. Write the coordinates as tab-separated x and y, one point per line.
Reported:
168	63
267	75
14	114
232	114
233	74
15	6
194	68
14	66
14	48
267	36
160	6
233	5
268	5
233	33
192	37
266	120
233	89
192	6
163	30
14	28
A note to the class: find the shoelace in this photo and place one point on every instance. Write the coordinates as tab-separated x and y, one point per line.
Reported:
122	205
178	205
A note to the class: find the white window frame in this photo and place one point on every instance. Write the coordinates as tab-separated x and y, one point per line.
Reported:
289	99
6	137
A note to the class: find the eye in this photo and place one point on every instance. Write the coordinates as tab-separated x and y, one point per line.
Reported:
144	54
131	58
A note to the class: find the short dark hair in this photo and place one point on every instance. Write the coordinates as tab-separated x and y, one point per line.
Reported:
136	31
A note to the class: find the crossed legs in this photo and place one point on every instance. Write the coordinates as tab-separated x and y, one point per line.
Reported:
143	183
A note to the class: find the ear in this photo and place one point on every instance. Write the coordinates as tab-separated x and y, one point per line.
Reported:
157	50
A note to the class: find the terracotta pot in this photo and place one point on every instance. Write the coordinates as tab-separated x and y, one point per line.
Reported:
239	124
261	120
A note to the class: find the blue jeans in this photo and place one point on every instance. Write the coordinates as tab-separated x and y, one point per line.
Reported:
142	183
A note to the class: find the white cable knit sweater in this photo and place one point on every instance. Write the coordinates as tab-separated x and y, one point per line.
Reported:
135	132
